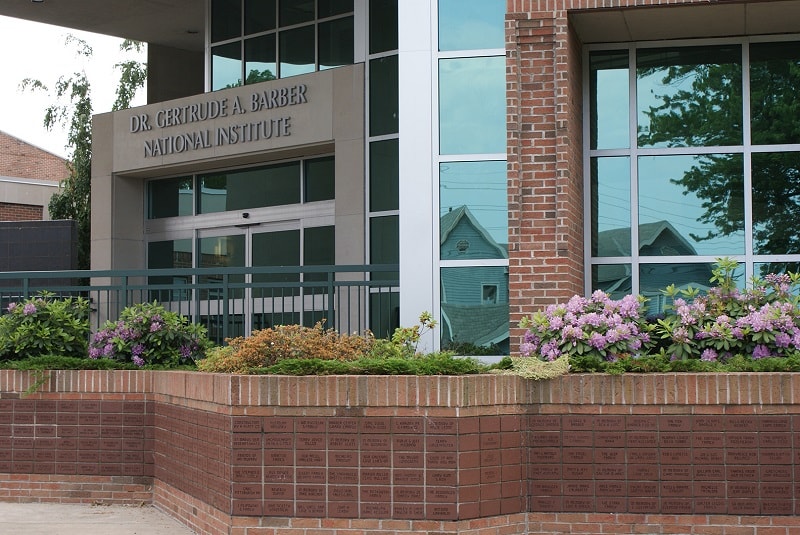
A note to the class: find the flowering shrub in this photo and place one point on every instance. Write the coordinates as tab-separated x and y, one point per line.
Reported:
147	334
761	321
597	326
722	325
266	347
44	325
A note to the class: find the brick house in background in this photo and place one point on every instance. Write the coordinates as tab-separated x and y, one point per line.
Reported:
29	176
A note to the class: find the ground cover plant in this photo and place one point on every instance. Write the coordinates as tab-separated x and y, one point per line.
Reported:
725	329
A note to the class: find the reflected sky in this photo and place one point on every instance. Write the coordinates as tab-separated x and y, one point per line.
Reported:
472	105
481	187
471	24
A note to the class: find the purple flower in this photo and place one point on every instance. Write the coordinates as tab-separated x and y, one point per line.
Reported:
95	353
783	340
137	350
760	351
526	349
155	327
139	361
597	340
108	350
11	307
29	309
709	355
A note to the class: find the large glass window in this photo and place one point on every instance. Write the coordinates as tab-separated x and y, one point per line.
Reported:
703	179
471	24
383	96
472	105
473	210
384	175
169	198
277	38
250	188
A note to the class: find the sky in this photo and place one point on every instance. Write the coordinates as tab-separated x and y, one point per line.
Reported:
39	51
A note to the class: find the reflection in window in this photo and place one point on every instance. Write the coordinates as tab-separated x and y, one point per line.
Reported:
335	43
471	24
690	96
319	249
297	51
611	206
171	197
277	249
220	252
383	96
226	65
226	19
259	54
691	205
614	279
250	188
776	202
653	278
472	105
609	120
475	306
473	209
775	92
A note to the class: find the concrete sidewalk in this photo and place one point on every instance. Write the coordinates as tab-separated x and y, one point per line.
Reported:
63	519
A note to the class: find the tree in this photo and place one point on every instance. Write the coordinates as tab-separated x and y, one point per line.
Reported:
72	107
707	111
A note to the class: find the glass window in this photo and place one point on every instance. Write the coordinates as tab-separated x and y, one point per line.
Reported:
259	56
611	206
382	26
776	202
383	96
690	96
473	210
276	249
329	8
296	11
472	105
319	179
614	279
384	175
226	19
469	318
226	66
169	254
250	188
763	269
319	249
171	197
384	244
336	43
384	313
610	120
297	51
471	24
775	92
259	16
691	205
220	252
653	278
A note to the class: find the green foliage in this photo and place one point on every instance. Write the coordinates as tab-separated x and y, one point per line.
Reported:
663	364
149	335
429	364
58	362
467	348
44	325
72	106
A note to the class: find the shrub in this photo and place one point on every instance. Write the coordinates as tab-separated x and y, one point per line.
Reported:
598	326
761	321
268	346
147	334
45	325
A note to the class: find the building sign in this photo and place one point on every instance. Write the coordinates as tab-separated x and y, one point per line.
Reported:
246	123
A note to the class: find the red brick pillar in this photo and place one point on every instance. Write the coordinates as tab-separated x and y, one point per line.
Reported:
545	181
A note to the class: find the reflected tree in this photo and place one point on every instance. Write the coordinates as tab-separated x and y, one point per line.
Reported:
707	111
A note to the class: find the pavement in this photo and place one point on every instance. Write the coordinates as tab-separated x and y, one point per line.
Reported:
84	519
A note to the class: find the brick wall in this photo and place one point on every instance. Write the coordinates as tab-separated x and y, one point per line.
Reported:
251	455
23	160
20	212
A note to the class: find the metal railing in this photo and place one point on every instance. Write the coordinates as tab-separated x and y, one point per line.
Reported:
230	301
